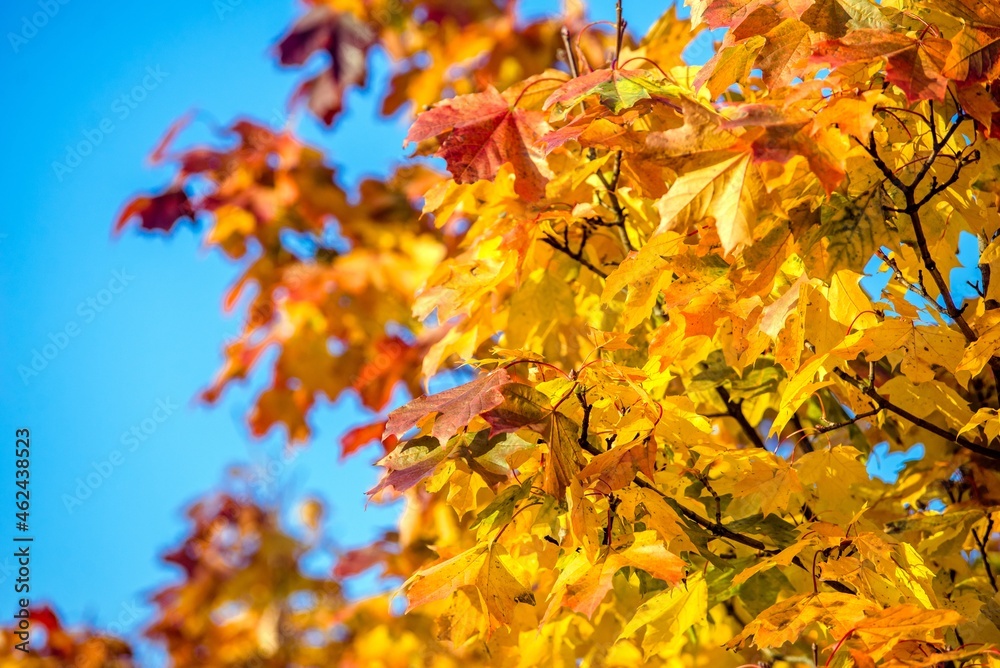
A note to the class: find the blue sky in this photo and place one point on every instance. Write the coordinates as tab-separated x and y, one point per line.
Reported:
130	329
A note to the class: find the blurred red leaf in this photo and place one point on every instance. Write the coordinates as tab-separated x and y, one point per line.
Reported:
160	212
359	437
345	39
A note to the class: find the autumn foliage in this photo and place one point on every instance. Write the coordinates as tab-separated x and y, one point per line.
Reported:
644	282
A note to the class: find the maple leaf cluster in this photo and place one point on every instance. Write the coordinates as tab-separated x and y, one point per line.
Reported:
682	309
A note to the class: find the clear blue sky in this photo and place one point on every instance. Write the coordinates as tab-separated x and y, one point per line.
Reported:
154	333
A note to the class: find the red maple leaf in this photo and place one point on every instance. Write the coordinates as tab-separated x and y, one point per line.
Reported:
454	408
482	132
914	65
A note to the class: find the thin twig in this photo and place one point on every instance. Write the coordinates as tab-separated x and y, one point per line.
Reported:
981	542
574	70
912	209
619	30
985	271
826	428
916	288
715	495
925	253
720	530
584	440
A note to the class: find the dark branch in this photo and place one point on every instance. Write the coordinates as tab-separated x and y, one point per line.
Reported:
576	255
715	495
584	440
872	151
885	404
912	209
620	30
736	413
715	528
610	186
981	542
936	146
916	288
826	428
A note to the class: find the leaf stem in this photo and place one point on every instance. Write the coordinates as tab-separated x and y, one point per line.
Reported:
806	442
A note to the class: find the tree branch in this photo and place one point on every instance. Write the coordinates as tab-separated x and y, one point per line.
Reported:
620	30
736	413
721	531
953	311
986	272
584	440
823	429
715	528
574	70
912	209
981	542
715	495
916	288
576	255
616	206
885	404
612	185
936	146
872	151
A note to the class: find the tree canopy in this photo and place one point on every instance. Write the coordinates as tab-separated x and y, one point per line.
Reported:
680	310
